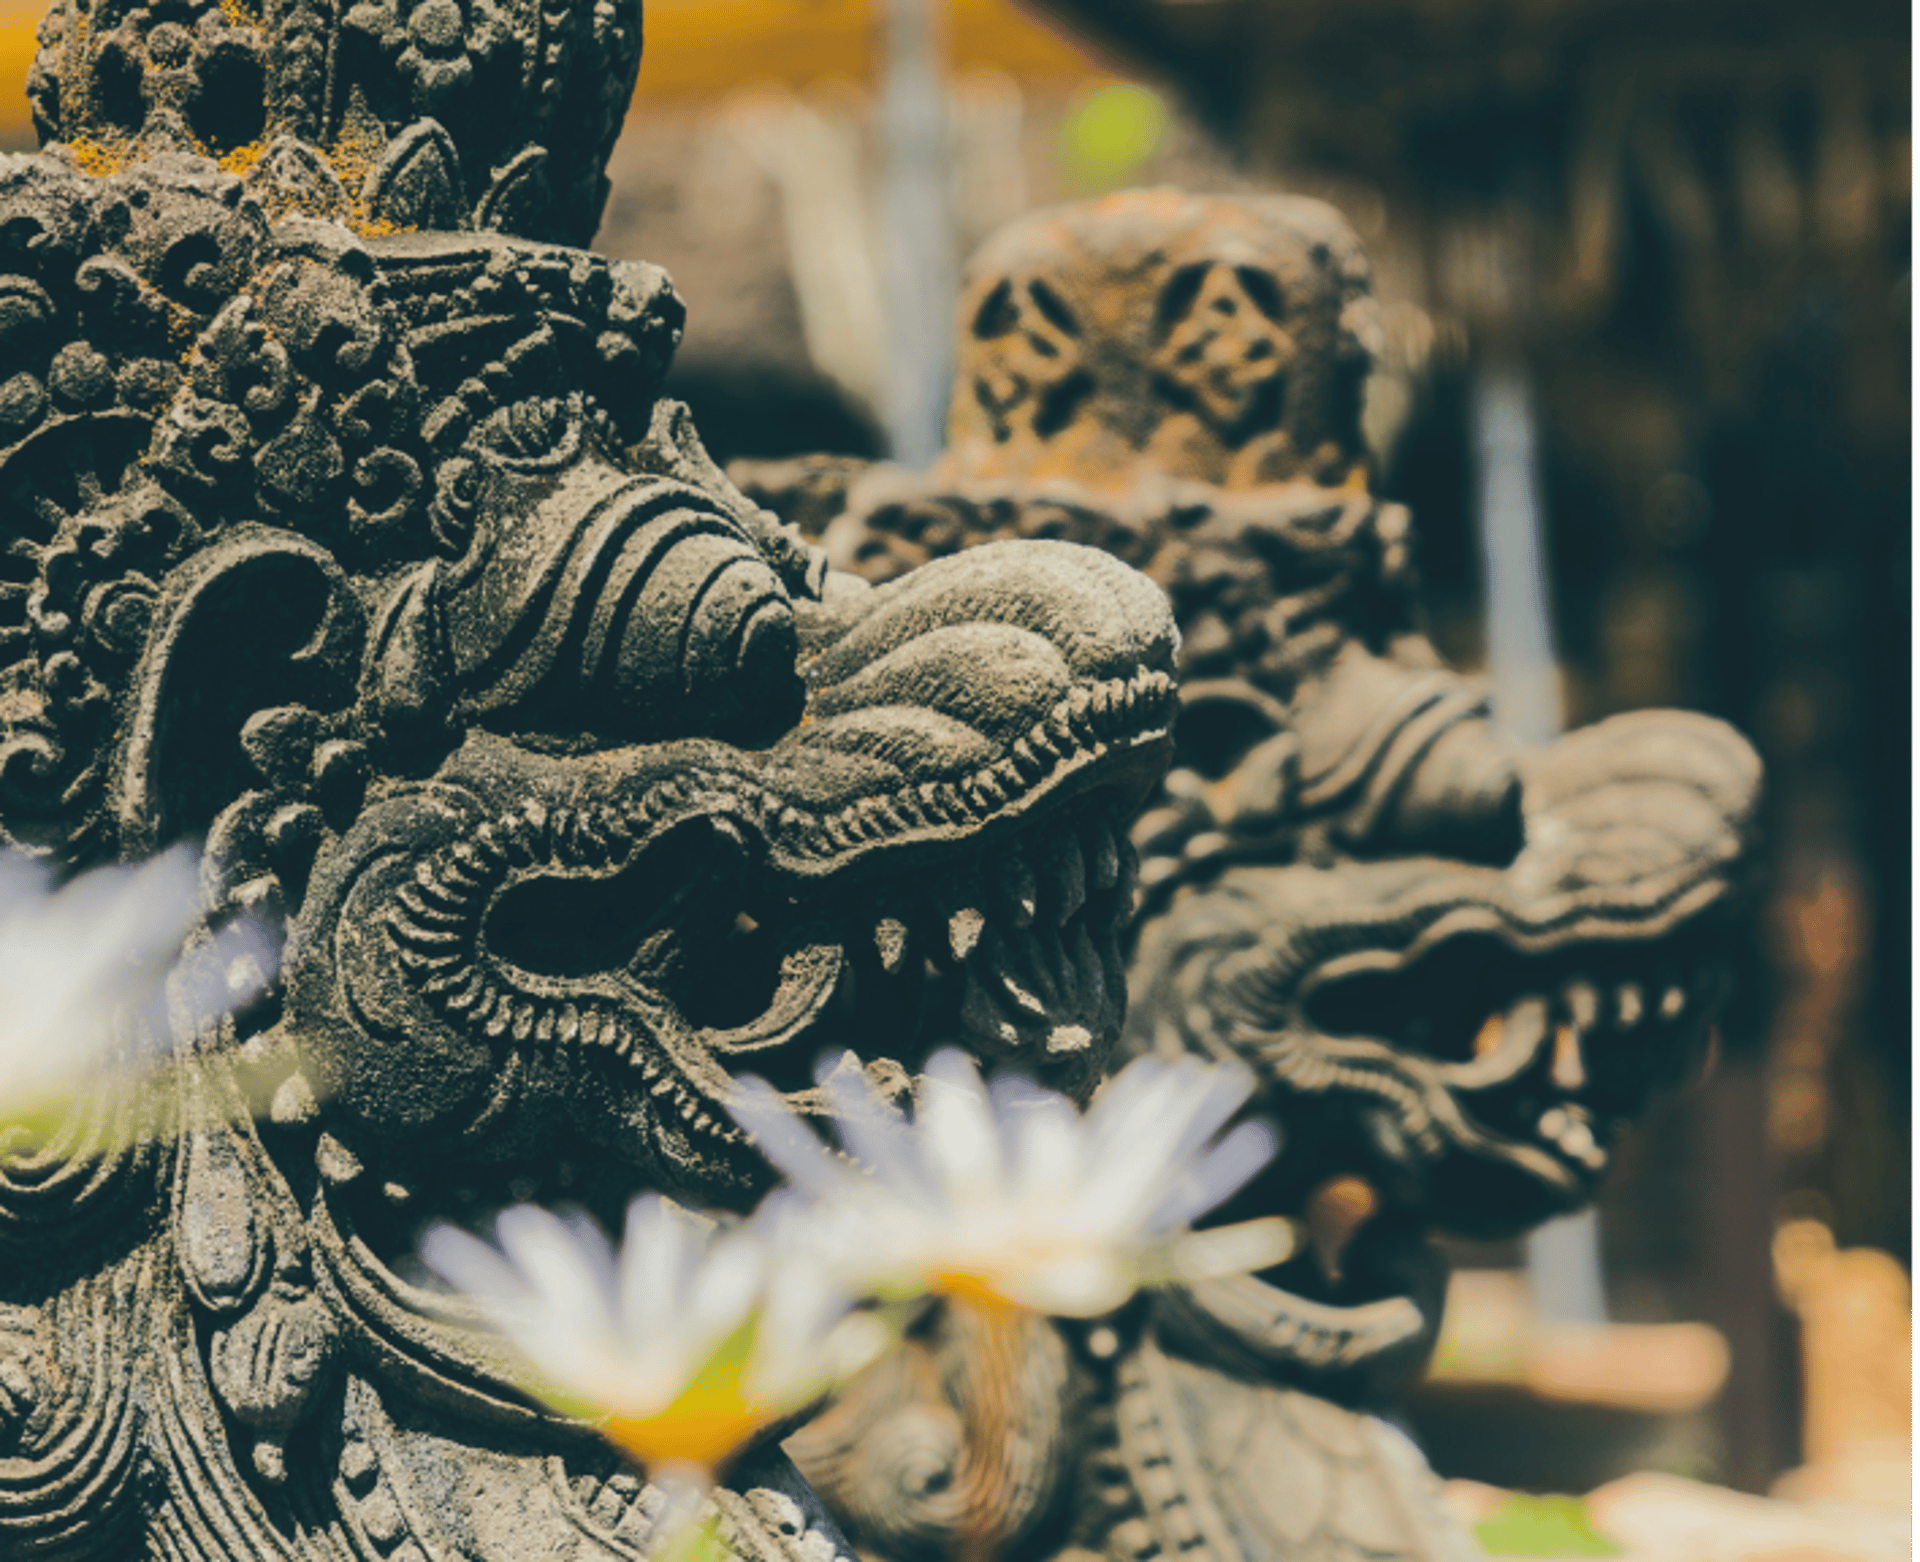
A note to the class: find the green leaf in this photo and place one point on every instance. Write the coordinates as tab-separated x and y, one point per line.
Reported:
697	1542
1111	132
1528	1526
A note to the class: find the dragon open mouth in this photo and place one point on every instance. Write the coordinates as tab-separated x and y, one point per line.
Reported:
1553	1051
1014	956
1472	1038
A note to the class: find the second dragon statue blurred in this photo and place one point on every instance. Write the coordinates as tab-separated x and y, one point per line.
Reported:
1459	965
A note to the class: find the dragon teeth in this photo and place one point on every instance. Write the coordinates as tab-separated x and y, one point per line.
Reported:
1582	1000
1102	856
1568	1130
964	928
1568	1069
890	940
1066	875
1031	1002
1630	1004
1088	975
982	1019
1069	1038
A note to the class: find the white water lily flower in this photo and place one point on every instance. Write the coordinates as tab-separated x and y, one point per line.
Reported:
84	970
1011	1195
681	1345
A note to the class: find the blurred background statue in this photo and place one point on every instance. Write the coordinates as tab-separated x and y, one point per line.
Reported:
1643	277
1460	962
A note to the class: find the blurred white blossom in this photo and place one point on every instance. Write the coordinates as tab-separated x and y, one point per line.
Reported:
1011	1195
93	983
681	1345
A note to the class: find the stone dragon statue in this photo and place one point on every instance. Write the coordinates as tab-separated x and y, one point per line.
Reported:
347	534
1458	965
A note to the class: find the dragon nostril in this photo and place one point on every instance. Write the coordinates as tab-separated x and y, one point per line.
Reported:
747	682
735	650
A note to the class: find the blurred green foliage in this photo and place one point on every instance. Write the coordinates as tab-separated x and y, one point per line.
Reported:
1527	1526
1110	132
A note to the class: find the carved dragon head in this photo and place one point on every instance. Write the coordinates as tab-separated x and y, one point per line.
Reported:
1459	965
578	785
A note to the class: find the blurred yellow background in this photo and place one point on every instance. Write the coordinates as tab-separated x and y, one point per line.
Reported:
698	47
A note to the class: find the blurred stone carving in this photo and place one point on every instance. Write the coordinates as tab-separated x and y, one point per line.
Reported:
365	551
1459	965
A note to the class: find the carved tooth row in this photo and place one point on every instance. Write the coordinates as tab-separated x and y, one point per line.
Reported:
434	920
1046	990
1624	1007
1038	976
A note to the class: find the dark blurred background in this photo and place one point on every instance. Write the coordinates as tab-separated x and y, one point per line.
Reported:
1683	228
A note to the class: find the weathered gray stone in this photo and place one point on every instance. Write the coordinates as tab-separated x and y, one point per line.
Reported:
576	782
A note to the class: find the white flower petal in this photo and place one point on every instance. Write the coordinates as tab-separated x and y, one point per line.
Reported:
1012	1190
960	1139
1216	1176
1075	1285
873	1130
567	1269
470	1265
1146	1132
657	1253
1240	1249
784	1139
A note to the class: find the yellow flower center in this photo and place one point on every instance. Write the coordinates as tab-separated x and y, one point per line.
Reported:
697	1428
709	1420
971	1286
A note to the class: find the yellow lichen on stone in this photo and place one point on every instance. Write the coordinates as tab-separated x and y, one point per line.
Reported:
100	156
354	154
240	161
240	15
